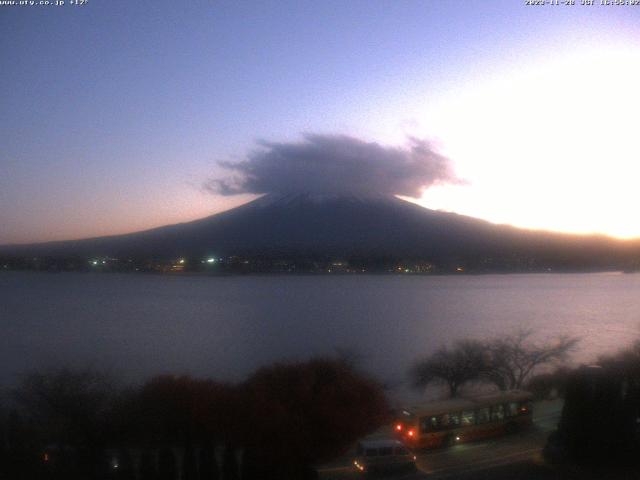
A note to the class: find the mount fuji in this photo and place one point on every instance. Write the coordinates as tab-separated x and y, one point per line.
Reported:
302	224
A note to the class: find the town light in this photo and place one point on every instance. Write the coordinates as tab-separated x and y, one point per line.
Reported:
410	433
399	427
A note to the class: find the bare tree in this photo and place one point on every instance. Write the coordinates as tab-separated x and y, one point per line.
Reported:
514	358
463	363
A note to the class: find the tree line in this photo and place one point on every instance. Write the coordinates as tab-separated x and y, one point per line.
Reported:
281	421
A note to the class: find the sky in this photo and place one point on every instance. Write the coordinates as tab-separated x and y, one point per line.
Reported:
121	116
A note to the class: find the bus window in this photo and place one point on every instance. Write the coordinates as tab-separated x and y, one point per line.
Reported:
497	413
371	452
483	415
454	419
512	409
401	451
385	451
428	424
469	418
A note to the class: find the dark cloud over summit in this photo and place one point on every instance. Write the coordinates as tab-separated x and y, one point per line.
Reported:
336	164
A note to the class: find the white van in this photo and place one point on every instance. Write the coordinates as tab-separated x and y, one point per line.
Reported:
383	455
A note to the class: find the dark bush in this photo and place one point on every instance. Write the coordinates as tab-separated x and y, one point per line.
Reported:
309	412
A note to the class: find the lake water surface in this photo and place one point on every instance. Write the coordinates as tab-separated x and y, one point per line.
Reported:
138	325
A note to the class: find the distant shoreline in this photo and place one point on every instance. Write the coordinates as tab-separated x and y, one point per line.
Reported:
324	274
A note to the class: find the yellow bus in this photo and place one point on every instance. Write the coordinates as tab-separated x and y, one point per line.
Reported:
459	420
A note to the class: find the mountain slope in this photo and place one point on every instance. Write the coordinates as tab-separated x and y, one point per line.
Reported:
305	224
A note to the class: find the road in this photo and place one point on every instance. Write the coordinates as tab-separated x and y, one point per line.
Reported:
465	459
